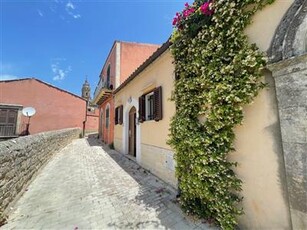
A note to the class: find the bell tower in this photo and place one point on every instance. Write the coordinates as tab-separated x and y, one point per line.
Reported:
86	90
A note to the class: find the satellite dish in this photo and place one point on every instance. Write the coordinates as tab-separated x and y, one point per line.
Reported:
28	111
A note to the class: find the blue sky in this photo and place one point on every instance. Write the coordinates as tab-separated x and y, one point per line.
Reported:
62	41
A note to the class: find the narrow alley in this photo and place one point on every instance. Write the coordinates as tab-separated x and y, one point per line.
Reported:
86	187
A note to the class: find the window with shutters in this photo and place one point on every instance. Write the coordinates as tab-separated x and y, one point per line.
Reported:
119	115
8	120
150	106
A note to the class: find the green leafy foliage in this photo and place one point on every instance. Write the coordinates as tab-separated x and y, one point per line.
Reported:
217	72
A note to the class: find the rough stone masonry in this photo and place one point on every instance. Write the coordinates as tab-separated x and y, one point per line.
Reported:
22	157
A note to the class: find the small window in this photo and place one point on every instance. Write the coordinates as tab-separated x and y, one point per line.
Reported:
107	117
149	104
119	115
8	122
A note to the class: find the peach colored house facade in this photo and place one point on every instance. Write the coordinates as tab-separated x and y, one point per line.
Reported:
123	59
55	108
92	120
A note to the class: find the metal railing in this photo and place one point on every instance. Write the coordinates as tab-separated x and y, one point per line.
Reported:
102	85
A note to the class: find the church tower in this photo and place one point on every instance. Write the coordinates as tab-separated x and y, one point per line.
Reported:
86	90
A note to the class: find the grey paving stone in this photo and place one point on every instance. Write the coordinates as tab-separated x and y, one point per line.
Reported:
87	187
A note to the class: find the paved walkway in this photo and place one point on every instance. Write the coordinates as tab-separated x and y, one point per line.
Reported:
85	187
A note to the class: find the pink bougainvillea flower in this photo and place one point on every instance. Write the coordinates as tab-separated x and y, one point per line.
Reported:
206	8
187	12
175	20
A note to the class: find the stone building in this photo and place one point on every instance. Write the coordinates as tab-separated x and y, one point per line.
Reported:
86	91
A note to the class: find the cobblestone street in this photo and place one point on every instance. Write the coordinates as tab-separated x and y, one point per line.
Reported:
85	187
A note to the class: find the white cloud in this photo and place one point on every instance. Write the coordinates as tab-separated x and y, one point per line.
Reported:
5	77
40	13
70	7
64	9
59	72
76	16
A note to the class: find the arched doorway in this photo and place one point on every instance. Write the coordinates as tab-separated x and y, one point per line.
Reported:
132	132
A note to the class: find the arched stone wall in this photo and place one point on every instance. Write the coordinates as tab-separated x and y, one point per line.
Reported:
284	38
288	63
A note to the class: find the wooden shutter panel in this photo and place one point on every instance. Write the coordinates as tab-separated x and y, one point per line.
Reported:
116	115
158	104
12	117
121	114
3	116
142	111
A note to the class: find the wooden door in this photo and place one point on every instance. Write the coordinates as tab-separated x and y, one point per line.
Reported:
132	132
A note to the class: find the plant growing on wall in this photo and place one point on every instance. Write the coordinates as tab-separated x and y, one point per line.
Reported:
217	72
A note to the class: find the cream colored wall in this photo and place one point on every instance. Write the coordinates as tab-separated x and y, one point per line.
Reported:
265	23
261	166
156	160
155	153
159	73
118	142
258	144
258	141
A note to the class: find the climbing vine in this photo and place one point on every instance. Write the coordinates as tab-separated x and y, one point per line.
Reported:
217	72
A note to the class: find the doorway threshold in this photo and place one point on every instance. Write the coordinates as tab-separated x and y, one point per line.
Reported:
130	157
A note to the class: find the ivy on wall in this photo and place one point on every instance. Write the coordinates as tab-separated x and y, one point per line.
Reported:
217	72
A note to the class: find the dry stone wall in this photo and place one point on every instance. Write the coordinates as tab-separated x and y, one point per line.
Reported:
22	157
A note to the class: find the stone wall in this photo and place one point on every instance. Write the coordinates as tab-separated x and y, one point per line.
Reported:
288	63
291	88
22	157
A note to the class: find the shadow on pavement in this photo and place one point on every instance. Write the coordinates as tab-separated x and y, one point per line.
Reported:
154	194
93	140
